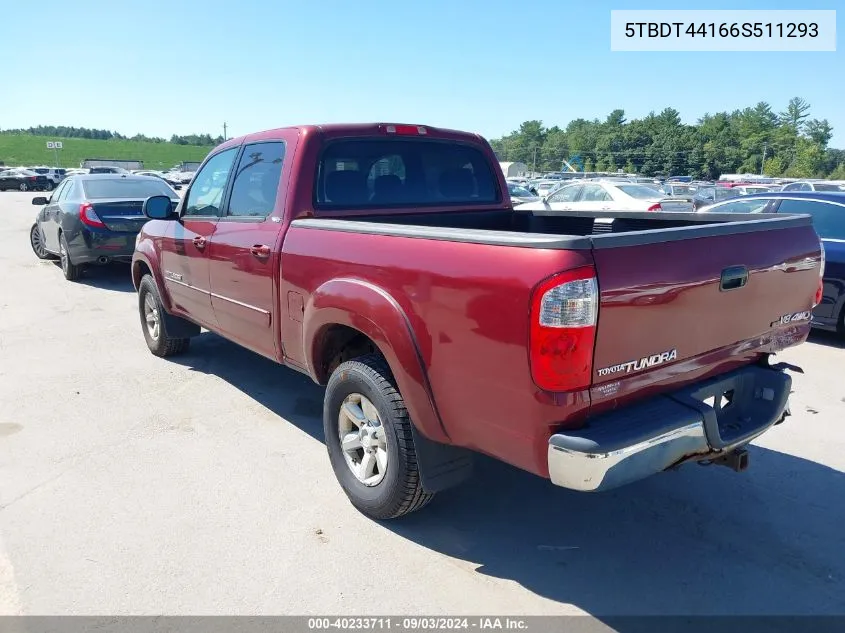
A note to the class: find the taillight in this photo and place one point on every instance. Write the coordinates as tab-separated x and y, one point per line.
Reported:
564	310
89	217
655	207
33	178
406	130
820	290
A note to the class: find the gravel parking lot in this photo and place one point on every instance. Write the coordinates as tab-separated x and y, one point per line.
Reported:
201	485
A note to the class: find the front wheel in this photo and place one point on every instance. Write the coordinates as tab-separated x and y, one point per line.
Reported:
36	240
23	187
153	322
48	186
369	440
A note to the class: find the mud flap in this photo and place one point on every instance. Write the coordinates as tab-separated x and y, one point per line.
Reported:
441	466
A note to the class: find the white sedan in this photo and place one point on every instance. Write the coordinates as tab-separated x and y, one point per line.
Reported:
609	196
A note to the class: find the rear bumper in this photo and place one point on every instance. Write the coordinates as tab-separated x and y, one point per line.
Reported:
625	446
88	247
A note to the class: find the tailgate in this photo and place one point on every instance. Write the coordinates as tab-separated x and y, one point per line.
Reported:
666	306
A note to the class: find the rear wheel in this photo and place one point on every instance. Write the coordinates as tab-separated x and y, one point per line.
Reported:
369	440
23	187
153	322
69	269
36	240
48	186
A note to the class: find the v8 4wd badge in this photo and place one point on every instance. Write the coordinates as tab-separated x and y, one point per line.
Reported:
792	317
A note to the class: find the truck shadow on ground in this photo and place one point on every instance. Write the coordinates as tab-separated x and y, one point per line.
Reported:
695	541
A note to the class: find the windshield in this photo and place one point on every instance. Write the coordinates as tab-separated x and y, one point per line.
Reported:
403	172
133	188
640	192
516	190
827	187
682	190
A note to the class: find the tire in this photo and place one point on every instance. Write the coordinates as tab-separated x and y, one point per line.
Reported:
70	270
36	241
48	186
397	490
23	187
153	324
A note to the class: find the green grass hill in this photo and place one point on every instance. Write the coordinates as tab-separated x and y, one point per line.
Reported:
27	149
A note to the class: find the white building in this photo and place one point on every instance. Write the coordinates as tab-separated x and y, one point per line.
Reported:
513	170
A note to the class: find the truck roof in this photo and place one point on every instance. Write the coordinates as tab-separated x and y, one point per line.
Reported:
355	129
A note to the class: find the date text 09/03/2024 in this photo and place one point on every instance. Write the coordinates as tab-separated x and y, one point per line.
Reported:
415	623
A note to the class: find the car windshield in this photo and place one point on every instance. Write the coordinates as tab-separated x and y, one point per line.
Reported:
827	186
134	188
403	172
23	172
682	190
640	192
723	193
516	190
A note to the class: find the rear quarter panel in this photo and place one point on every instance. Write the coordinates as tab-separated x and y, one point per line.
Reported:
468	307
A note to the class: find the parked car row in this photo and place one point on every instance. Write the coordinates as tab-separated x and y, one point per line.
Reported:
388	263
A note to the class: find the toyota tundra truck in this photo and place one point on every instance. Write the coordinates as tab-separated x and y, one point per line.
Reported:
386	262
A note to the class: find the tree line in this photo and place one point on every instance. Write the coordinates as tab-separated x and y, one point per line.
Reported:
63	131
753	140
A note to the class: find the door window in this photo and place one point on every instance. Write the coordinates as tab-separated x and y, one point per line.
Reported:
828	219
206	193
257	180
57	193
594	193
566	194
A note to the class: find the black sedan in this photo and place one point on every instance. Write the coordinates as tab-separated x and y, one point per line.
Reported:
23	180
705	196
93	219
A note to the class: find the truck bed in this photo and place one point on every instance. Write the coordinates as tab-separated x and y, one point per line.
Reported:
465	282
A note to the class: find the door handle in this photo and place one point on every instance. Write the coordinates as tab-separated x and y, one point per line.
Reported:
733	278
199	242
260	250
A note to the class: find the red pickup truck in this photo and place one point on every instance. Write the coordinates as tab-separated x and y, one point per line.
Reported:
387	263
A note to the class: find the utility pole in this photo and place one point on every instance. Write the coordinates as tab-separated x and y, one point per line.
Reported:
534	166
763	161
224	130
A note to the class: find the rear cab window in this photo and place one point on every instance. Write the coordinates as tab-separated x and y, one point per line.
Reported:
401	172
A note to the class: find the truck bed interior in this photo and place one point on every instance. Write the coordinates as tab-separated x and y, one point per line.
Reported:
554	229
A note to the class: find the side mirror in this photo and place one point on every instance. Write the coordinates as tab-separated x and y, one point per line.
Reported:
39	200
158	208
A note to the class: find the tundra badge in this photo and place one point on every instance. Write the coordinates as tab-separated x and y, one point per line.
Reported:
639	365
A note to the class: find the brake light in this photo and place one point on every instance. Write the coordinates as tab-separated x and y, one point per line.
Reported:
655	207
406	130
820	290
564	310
33	178
89	217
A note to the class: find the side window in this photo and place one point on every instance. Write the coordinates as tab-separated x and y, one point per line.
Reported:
57	193
806	187
257	180
566	194
206	192
828	219
594	193
743	206
68	191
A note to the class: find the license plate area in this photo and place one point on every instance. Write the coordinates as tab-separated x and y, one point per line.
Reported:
739	406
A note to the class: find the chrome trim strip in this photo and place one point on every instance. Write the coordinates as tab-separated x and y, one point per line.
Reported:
186	285
240	303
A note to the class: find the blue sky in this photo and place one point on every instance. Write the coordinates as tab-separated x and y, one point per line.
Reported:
165	67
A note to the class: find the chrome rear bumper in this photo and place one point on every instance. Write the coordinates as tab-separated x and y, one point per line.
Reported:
705	421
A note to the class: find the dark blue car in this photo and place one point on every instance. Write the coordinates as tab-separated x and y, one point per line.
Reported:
828	212
93	219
